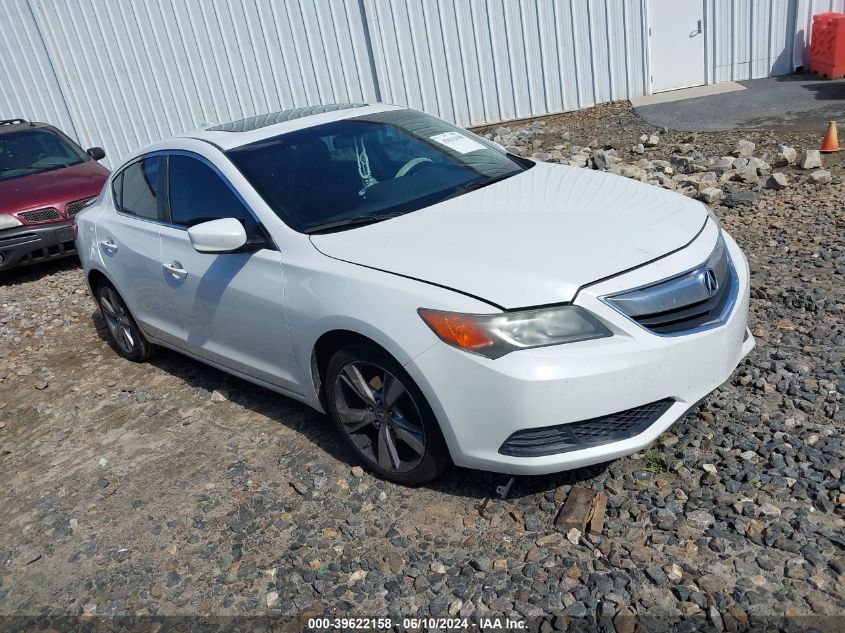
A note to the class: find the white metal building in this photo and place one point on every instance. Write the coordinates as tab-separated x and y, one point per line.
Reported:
122	73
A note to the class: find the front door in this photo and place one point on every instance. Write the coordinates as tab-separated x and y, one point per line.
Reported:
676	29
229	306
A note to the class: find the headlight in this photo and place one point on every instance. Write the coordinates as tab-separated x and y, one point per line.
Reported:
9	221
494	335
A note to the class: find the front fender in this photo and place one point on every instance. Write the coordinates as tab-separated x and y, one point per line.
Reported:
323	294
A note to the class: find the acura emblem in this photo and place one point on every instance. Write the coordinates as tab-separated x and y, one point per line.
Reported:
711	284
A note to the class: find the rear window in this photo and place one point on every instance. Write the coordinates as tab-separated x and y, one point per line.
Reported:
136	188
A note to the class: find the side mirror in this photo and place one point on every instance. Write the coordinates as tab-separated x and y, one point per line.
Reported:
97	153
217	236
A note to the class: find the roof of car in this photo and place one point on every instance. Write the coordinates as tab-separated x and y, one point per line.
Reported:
252	129
263	120
16	125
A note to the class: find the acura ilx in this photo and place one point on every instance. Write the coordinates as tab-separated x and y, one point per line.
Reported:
442	300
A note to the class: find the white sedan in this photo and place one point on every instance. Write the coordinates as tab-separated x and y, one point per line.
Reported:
442	300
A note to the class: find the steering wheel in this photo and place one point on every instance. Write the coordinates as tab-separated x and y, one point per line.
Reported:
405	169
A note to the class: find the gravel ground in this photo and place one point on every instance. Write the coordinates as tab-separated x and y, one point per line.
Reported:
172	488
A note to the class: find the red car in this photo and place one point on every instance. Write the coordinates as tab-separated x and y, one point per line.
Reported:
45	180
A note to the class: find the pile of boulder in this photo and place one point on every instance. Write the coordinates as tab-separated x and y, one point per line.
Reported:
687	171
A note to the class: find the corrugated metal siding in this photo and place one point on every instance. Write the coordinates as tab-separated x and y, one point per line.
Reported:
29	86
752	38
122	74
134	72
479	61
760	38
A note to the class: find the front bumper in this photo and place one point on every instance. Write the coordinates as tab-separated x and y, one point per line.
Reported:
480	403
31	244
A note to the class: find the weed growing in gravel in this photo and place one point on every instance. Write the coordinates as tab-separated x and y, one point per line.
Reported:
655	464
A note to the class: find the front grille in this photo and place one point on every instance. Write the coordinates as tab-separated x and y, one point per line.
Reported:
550	440
41	215
72	208
686	302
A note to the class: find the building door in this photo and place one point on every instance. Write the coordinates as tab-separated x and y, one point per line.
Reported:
676	29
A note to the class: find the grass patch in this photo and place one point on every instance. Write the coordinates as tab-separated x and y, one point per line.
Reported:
654	464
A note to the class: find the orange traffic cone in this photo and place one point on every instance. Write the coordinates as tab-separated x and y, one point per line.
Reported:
830	142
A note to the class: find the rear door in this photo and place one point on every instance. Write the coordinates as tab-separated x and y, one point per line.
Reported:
127	241
676	29
229	305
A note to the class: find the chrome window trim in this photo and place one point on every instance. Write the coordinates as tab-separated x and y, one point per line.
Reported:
723	315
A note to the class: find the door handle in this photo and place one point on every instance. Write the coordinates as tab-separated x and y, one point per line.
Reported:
109	246
175	269
700	30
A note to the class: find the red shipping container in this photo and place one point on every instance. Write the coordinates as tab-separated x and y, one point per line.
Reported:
827	48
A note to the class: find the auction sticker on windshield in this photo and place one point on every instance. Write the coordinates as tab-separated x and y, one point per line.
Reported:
458	142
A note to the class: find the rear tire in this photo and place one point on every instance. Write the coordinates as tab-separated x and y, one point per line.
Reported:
124	336
384	416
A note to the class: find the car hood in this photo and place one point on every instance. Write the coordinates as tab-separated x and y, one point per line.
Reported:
52	188
532	239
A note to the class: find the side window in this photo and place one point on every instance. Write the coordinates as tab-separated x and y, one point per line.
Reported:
139	188
198	194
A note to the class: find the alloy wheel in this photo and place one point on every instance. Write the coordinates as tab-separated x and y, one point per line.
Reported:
380	416
117	320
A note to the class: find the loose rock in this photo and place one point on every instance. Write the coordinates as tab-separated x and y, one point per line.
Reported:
810	159
821	177
777	181
744	148
711	195
739	198
786	156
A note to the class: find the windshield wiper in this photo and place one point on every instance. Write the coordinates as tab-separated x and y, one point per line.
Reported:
477	184
360	220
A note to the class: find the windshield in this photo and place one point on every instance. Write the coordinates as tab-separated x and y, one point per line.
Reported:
368	168
34	151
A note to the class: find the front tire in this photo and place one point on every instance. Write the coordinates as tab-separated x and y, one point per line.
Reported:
384	416
125	336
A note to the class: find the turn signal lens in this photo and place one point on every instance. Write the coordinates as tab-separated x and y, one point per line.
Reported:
460	330
494	335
